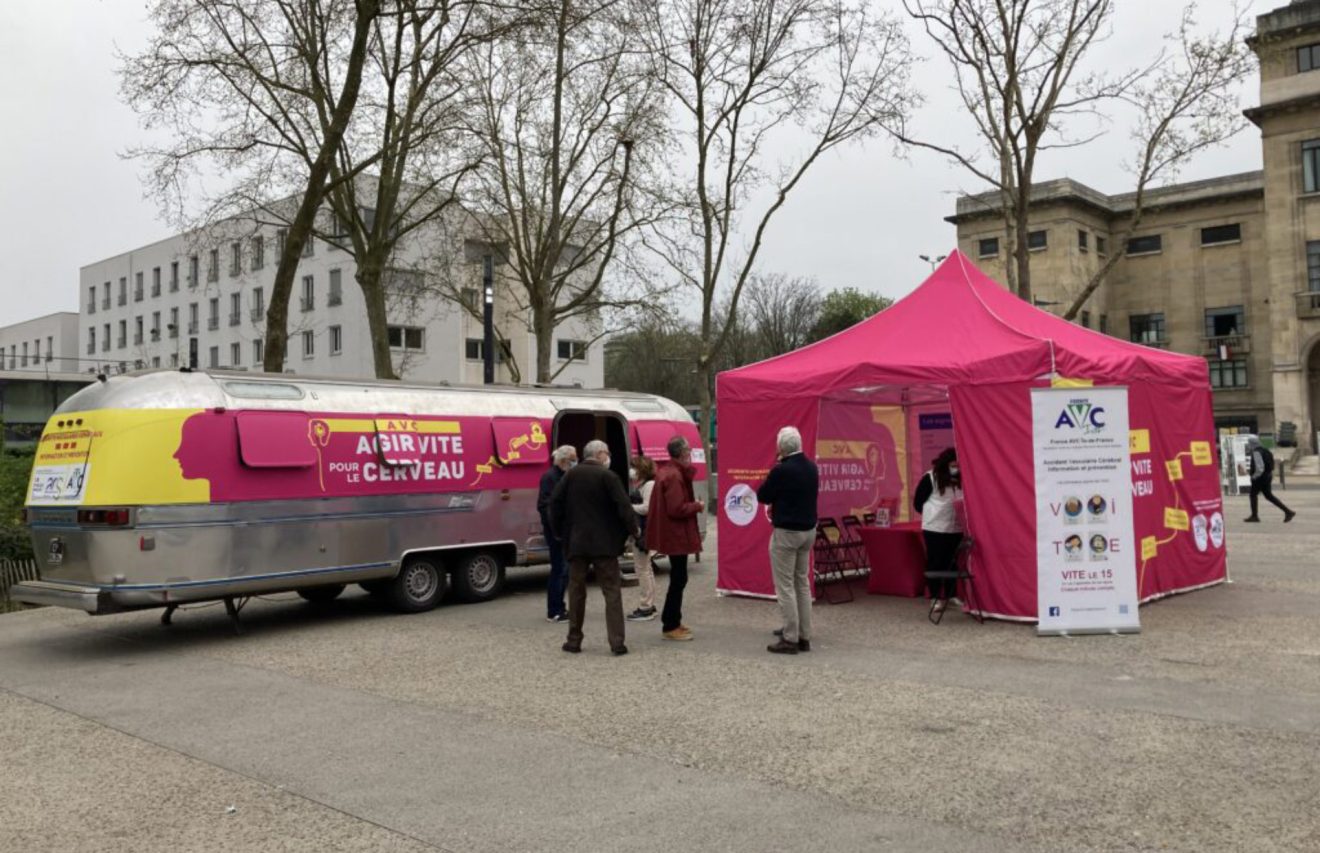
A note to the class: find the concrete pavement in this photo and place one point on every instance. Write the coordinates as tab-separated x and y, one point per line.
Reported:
466	729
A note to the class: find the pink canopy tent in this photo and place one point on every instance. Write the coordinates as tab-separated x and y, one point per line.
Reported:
953	363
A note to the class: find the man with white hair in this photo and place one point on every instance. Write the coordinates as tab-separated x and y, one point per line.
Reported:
790	490
592	516
1262	472
564	457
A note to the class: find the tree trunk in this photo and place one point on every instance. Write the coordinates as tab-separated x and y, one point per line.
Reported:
543	327
707	375
1021	254
369	275
300	229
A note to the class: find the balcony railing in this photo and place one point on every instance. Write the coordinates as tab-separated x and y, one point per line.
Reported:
91	307
105	304
306	304
123	342
192	327
234	318
155	291
1308	305
174	331
105	346
1158	343
155	335
137	295
1236	344
212	323
335	299
137	339
258	314
123	299
91	348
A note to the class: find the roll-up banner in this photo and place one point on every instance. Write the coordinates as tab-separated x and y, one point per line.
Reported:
1085	544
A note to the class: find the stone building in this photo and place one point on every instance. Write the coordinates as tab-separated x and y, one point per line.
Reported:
1227	268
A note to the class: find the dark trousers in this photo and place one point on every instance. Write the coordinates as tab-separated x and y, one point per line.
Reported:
672	614
941	556
1262	487
554	589
611	583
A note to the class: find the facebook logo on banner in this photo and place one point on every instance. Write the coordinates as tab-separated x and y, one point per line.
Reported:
1054	611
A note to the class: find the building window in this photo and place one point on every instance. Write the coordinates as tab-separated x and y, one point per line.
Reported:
309	248
1086	319
213	357
1228	374
1147	245
174	323
155	325
174	359
155	282
23	363
137	331
309	344
1147	328
138	290
105	338
36	350
1311	166
1224	322
192	318
91	340
91	299
572	350
235	354
258	352
50	347
1308	58
473	349
174	276
258	252
213	265
406	337
213	313
472	297
281	237
258	303
192	271
1104	324
155	361
1221	234
336	340
123	334
1037	240
1083	241
123	291
235	259
336	288
1101	246
308	293
235	308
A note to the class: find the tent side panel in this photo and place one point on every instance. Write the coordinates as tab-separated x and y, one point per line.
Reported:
746	453
1177	499
992	429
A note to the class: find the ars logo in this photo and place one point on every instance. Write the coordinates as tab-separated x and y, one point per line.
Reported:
740	505
1080	414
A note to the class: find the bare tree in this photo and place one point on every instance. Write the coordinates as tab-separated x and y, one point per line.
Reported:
748	77
407	123
567	121
1016	67
1185	105
780	311
258	92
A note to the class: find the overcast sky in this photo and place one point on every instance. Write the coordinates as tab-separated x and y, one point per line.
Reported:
68	199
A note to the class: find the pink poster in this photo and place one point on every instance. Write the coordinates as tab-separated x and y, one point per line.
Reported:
862	457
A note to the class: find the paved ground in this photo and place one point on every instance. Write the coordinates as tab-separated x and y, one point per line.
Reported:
466	729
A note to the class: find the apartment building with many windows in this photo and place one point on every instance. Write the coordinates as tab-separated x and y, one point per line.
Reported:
202	298
47	344
1227	269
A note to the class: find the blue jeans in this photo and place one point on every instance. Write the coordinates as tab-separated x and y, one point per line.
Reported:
554	591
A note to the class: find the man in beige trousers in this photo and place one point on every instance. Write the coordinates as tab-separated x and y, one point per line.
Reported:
790	490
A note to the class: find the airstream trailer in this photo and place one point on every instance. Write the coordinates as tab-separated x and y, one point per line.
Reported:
165	488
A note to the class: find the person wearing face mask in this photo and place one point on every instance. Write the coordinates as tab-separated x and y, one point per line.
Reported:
672	530
564	457
935	499
593	518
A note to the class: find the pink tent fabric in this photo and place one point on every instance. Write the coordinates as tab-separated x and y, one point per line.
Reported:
963	339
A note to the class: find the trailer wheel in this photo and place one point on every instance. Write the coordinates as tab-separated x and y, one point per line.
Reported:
418	586
479	576
321	594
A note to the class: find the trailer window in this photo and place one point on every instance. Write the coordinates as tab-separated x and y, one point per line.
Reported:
521	441
651	439
276	440
264	390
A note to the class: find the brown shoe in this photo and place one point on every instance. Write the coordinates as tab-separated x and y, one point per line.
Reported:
680	633
783	647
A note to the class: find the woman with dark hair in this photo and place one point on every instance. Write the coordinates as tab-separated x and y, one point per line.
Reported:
936	495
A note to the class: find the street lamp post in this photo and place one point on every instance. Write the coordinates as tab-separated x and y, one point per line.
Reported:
934	262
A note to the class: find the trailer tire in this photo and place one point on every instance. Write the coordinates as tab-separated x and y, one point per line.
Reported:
478	576
419	585
321	594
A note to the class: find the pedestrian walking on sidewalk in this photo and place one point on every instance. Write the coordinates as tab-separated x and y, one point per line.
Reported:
1261	473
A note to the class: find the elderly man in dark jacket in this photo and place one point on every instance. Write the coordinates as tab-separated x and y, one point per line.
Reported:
565	457
593	519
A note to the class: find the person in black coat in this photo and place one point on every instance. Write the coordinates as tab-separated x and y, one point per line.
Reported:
1262	472
564	458
593	518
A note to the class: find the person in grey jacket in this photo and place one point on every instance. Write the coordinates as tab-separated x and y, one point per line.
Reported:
1262	472
593	518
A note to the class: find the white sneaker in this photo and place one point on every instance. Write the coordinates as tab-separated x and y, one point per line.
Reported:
956	602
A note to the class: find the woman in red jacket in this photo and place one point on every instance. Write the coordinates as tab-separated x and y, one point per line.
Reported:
671	529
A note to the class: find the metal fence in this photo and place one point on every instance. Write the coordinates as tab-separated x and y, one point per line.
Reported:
11	572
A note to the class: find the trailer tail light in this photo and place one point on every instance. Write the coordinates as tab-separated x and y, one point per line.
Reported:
103	517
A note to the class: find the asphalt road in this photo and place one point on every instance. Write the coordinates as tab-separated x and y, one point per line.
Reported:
466	729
